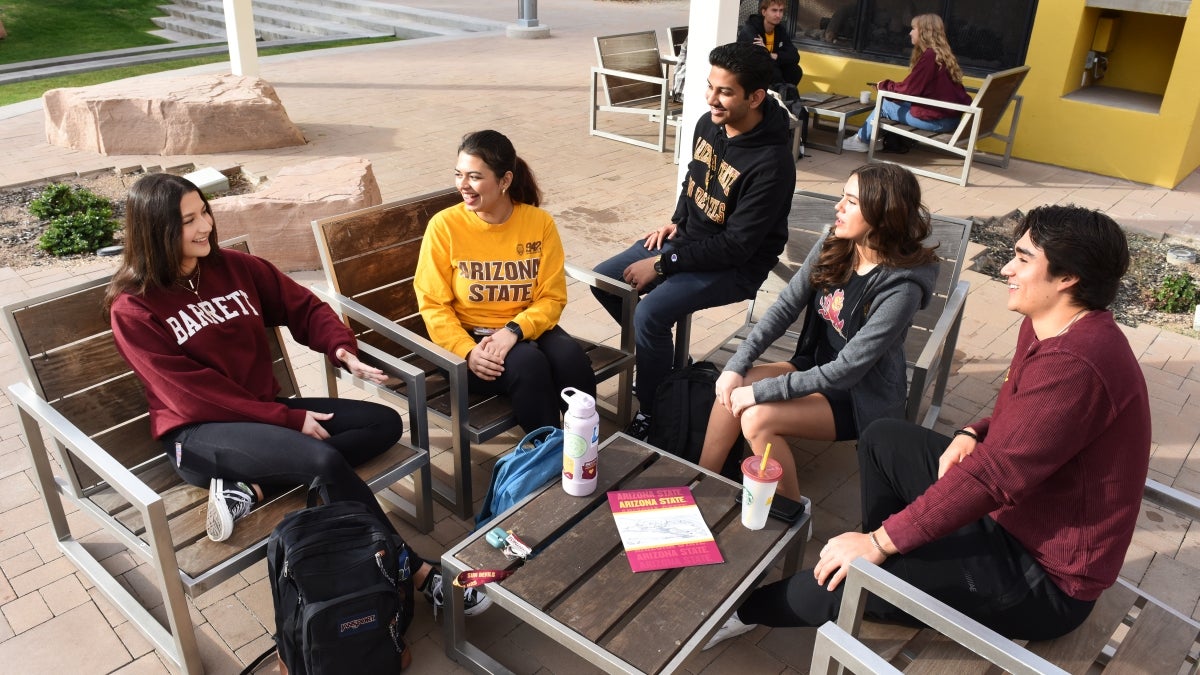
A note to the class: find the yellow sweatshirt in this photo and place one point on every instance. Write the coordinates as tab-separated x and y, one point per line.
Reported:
474	274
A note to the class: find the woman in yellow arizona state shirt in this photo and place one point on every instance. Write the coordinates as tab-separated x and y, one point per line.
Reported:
491	285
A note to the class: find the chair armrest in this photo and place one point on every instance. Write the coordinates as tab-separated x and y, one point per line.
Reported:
443	358
931	102
865	577
597	70
1176	500
627	293
951	314
834	645
121	479
601	282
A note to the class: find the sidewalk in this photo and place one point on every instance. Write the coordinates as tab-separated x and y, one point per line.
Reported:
405	106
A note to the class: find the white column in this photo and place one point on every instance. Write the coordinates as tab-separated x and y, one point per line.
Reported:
709	24
239	31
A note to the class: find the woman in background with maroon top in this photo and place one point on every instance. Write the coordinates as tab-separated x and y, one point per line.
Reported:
934	73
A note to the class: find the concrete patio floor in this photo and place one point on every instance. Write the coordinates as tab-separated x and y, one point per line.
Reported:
404	106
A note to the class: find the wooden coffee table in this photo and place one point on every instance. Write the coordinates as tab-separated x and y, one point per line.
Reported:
578	588
839	108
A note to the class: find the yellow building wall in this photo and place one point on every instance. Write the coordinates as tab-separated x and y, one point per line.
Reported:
1159	149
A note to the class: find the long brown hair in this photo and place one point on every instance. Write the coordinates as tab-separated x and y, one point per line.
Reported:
154	235
889	198
931	34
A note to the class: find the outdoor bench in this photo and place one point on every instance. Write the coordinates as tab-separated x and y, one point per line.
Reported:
104	462
929	345
369	257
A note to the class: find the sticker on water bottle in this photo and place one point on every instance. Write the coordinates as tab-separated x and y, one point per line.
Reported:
574	445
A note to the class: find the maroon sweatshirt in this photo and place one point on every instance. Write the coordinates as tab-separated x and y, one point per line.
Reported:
927	79
206	358
1062	460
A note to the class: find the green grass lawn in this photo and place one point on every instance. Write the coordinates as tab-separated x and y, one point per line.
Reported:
24	91
42	29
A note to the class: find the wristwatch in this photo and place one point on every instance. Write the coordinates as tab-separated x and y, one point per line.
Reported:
658	266
516	330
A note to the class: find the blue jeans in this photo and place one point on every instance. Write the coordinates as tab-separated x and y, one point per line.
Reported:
664	302
898	111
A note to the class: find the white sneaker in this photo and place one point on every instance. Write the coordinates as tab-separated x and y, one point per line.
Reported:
854	144
733	627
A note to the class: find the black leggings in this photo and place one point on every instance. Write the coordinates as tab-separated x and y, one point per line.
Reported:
535	373
279	457
979	569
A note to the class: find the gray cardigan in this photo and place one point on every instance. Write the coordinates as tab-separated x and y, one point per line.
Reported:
871	365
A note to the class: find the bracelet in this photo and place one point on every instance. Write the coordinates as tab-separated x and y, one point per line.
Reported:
966	432
875	543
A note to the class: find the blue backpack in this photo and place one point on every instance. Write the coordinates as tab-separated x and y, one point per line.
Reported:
535	461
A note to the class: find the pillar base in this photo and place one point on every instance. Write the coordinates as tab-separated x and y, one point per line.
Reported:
527	32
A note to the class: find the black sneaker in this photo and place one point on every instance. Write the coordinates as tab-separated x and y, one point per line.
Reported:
639	428
475	601
226	505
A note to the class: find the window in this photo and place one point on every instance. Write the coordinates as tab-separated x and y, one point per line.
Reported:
985	36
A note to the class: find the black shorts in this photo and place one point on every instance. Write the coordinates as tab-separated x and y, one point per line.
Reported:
843	414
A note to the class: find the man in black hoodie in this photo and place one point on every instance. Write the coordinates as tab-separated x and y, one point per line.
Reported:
730	221
766	30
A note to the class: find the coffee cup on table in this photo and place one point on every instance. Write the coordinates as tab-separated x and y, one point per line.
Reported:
864	96
758	489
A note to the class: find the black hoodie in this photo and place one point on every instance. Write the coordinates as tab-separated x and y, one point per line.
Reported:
733	209
787	61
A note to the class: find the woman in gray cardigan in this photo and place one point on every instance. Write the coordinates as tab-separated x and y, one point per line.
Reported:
861	285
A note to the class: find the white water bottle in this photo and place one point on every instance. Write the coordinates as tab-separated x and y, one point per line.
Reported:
581	432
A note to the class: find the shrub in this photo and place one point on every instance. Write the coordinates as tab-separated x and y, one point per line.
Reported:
80	220
79	232
1177	294
60	199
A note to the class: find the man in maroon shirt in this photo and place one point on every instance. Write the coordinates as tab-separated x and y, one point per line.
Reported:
1019	520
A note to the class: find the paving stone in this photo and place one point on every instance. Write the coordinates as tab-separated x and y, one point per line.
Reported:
1169	581
26	612
150	664
42	576
64	595
135	643
236	624
63	643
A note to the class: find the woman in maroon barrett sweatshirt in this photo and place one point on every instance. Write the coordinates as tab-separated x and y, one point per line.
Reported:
934	74
192	319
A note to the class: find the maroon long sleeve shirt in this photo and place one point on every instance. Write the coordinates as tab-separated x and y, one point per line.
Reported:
1061	464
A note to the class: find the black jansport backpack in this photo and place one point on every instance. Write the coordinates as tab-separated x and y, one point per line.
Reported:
682	404
343	591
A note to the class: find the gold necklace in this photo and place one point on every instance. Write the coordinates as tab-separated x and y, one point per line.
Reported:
190	284
1072	321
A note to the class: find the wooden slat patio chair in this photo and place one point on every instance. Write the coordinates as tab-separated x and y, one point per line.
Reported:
369	257
104	467
632	79
980	119
1128	631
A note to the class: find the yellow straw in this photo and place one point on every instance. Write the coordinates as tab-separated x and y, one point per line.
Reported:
762	468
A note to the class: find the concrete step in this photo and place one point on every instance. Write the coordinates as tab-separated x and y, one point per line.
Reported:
429	17
376	23
101	60
115	53
360	16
